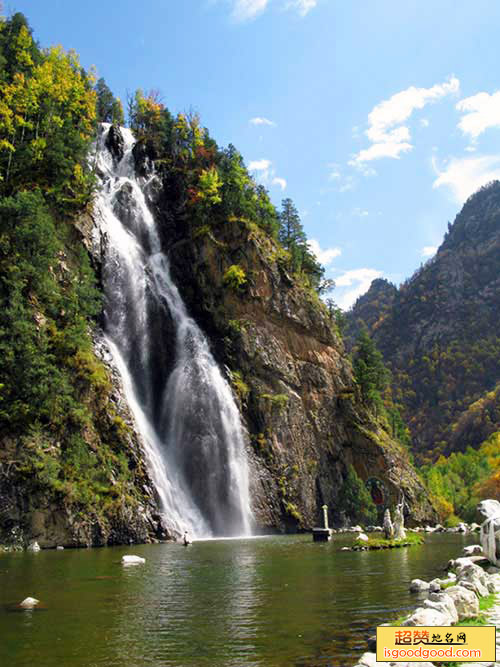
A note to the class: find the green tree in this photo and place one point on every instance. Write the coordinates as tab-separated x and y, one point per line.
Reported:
355	499
109	108
369	370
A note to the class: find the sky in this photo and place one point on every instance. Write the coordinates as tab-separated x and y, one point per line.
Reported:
378	119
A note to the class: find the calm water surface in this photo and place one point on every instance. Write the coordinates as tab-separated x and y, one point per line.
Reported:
274	602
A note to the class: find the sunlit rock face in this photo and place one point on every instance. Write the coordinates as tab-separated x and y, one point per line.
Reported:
288	368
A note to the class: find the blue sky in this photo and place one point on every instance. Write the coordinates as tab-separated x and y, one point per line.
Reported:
377	118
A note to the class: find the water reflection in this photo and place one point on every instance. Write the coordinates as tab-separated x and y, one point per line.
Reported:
275	602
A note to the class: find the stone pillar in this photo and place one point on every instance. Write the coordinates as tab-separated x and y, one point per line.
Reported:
325	515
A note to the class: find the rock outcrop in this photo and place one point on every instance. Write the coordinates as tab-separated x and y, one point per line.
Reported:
290	372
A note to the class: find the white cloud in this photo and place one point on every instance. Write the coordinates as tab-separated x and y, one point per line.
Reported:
279	181
466	175
262	121
324	256
246	10
424	122
259	165
303	7
354	283
387	133
481	112
267	173
335	174
428	250
360	213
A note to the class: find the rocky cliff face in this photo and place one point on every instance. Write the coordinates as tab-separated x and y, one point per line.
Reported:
438	332
290	371
111	500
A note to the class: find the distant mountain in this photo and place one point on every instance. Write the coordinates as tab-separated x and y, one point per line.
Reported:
439	333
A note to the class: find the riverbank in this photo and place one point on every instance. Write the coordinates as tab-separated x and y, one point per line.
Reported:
454	600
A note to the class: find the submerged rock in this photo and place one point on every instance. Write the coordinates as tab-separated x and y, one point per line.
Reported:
132	560
29	603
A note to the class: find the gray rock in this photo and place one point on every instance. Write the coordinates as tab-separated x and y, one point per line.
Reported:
472	550
490	529
435	586
466	601
443	603
419	586
474	576
427	616
34	546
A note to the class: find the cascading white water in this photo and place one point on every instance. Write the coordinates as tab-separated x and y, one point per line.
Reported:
184	410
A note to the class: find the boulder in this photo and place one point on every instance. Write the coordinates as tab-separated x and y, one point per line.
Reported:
29	603
462	528
132	560
474	577
466	602
427	616
368	660
435	586
34	546
444	604
473	550
363	537
490	529
419	586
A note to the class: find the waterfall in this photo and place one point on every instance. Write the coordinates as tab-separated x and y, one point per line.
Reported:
182	405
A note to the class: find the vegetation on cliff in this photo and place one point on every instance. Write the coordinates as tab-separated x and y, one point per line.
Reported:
65	446
62	442
438	334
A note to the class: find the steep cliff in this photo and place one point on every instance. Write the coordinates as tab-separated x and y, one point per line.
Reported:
438	333
288	368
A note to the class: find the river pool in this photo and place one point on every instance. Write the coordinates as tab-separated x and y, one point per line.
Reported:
280	601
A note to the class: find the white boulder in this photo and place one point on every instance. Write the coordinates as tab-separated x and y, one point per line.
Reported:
34	546
466	602
29	603
473	550
419	586
474	577
435	586
132	560
444	604
490	529
363	537
426	616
